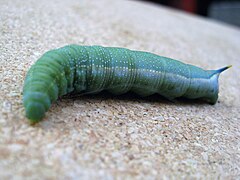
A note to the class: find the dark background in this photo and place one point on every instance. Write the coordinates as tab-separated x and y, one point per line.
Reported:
227	11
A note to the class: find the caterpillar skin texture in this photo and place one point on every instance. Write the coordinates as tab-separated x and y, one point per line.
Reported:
91	69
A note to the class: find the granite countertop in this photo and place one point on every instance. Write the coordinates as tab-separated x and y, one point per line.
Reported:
108	137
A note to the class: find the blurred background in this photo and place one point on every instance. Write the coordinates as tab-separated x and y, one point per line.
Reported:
227	11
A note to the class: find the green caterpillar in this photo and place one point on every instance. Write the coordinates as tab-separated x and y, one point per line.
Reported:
91	69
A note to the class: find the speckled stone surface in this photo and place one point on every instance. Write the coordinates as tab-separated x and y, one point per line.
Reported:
107	137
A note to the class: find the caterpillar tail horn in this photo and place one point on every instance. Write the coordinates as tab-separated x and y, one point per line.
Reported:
222	69
214	75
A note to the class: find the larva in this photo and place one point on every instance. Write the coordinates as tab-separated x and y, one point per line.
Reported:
91	69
